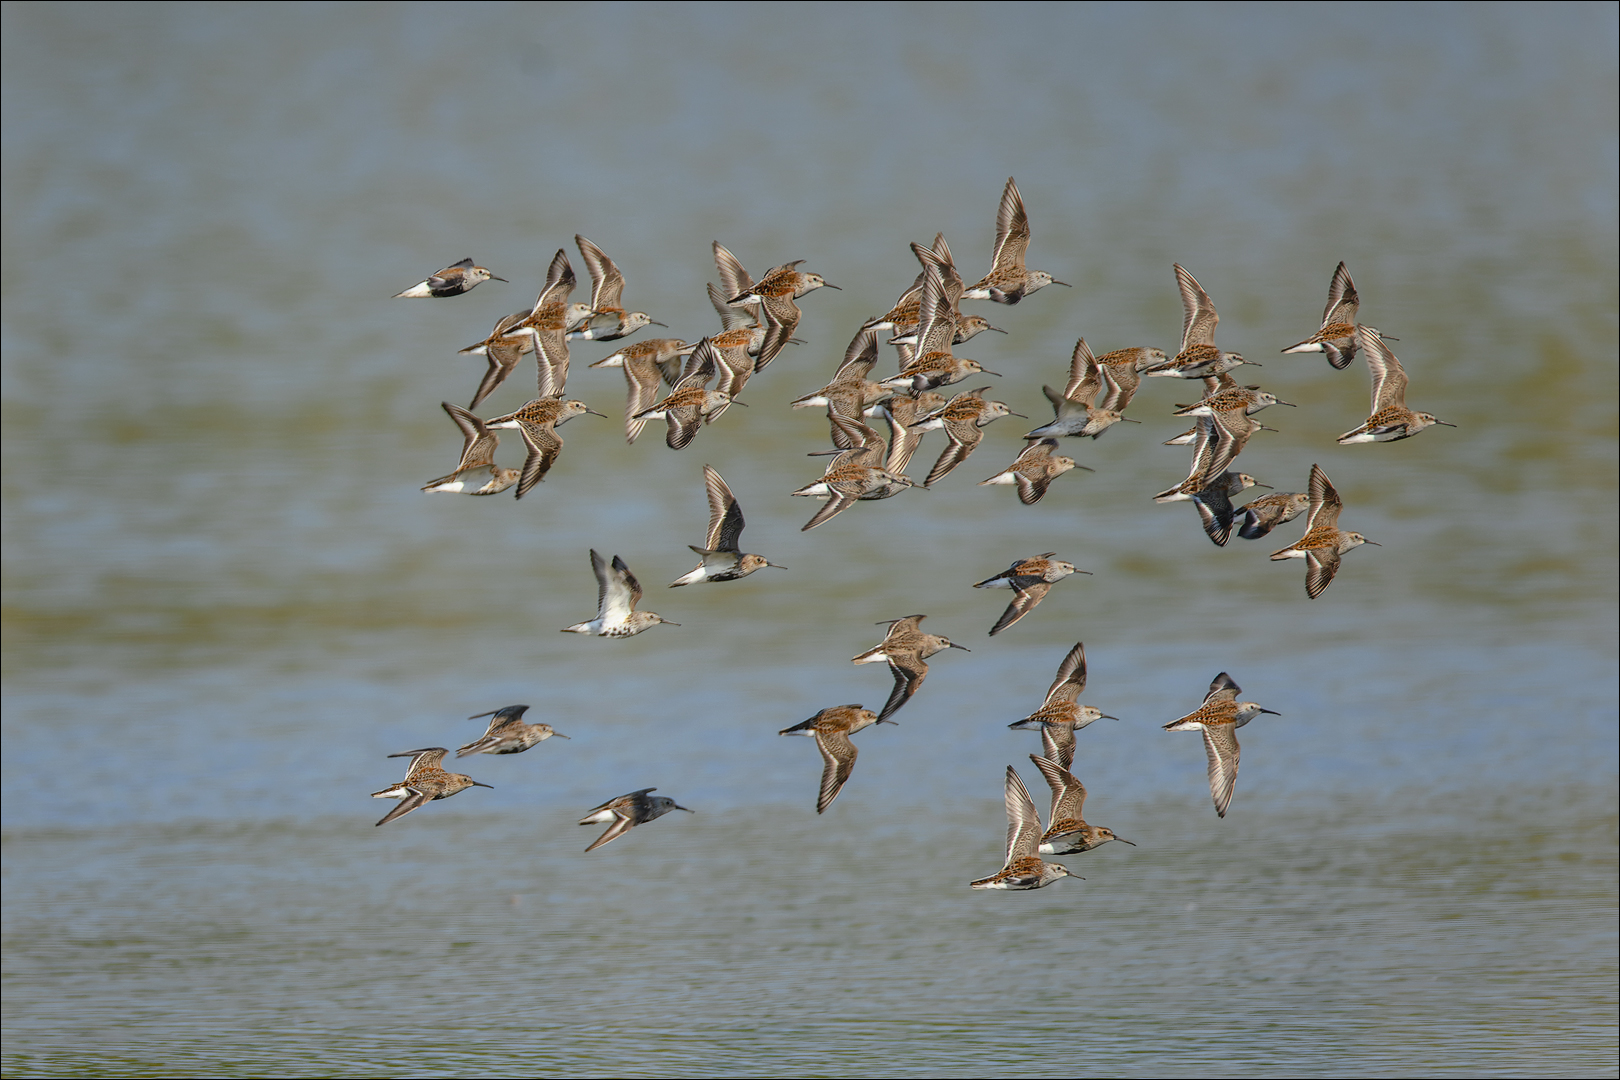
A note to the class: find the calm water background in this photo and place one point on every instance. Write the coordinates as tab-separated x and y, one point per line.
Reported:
226	601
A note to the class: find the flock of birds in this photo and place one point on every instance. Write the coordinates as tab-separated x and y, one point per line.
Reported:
875	427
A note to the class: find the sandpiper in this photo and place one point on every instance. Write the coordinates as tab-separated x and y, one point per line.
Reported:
453	280
1223	394
722	560
775	293
1212	495
508	734
1023	867
1034	470
548	324
1061	714
424	781
904	410
1030	580
537	423
617	593
690	405
1391	420
1337	338
503	351
765	338
628	811
1198	356
1218	718
857	473
831	728
906	649
608	320
1076	411
1324	543
1262	515
1009	281
931	364
963	419
477	473
850	393
1066	830
645	363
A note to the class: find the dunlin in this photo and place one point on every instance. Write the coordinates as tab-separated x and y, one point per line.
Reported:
1030	580
1198	356
691	404
453	280
1076	411
1219	718
1061	714
963	419
1324	543
537	423
508	734
424	781
1009	281
628	811
857	473
906	649
1391	420
1034	470
831	728
645	363
503	350
1262	515
1023	867
617	593
722	559
477	473
1066	830
1337	337
608	320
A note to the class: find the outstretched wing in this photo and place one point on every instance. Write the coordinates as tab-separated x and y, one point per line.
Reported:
1071	677
725	514
1221	745
838	761
1023	823
1198	317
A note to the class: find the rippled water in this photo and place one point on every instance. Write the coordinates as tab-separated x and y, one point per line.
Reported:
226	601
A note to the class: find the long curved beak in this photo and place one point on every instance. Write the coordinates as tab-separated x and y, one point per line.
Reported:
1443	423
666	622
1268	487
964	648
679	807
997	374
1105	716
1290	404
593	412
779	566
1255	364
1271	712
1065	284
997	329
655	322
1122	840
1374	543
560	735
830	285
492	277
1020	415
1128	420
477	784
